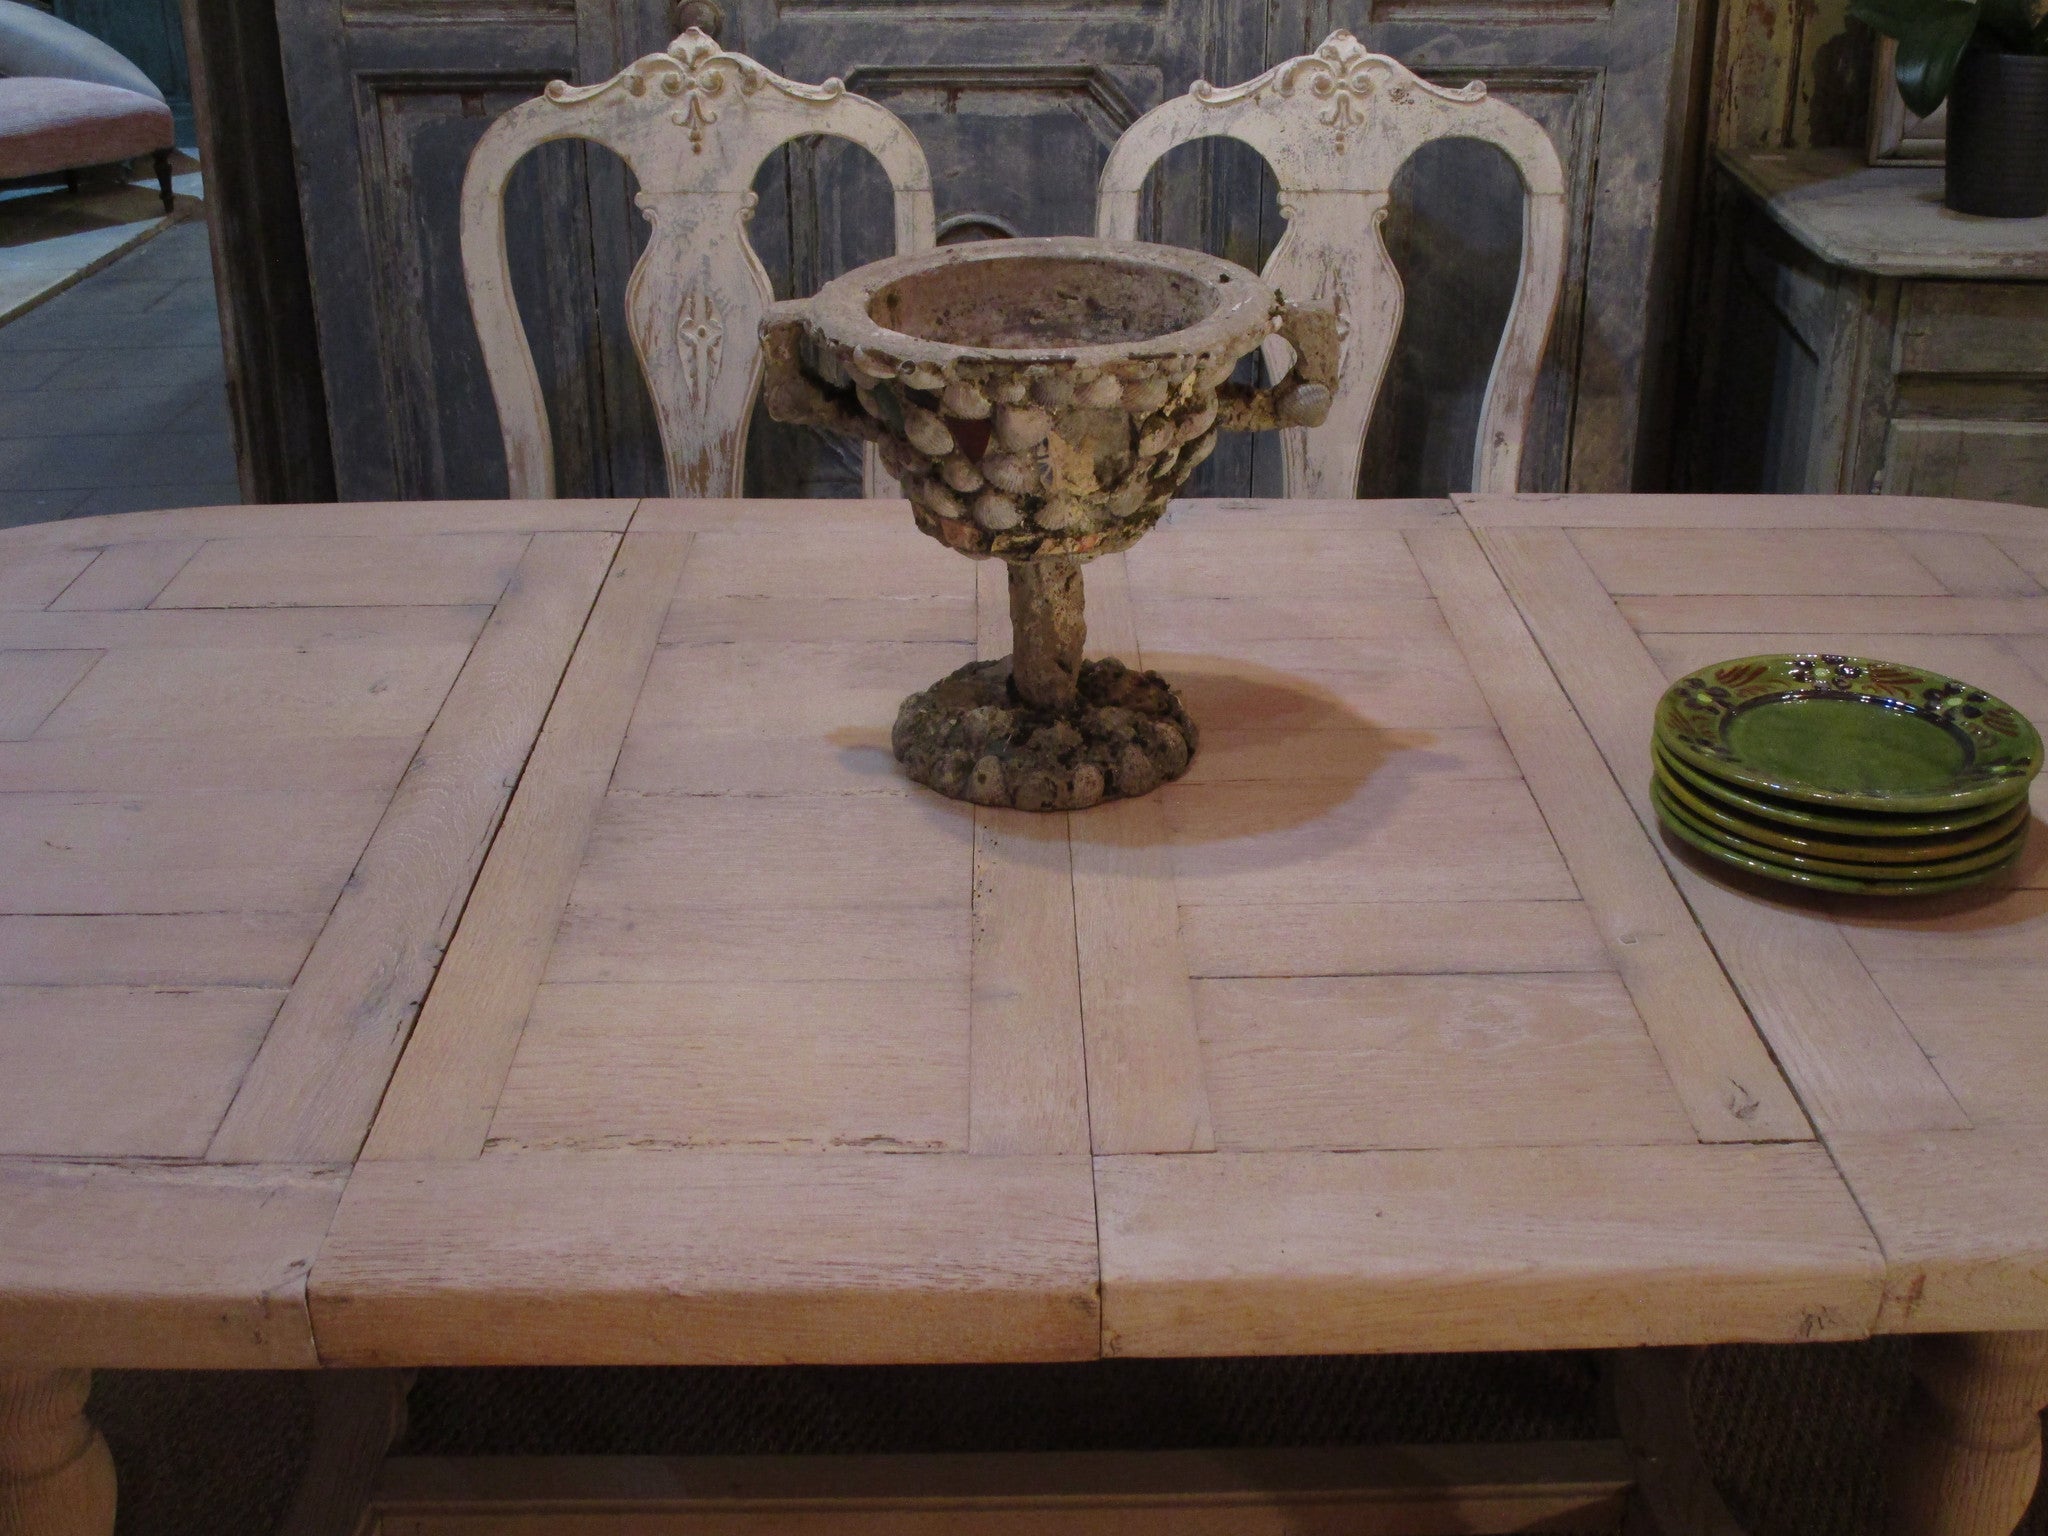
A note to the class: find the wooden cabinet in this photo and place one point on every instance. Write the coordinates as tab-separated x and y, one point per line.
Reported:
1016	104
1864	339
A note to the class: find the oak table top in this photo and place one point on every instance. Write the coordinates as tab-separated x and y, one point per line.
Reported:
497	933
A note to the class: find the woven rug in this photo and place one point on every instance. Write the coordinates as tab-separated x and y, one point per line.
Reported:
1794	1435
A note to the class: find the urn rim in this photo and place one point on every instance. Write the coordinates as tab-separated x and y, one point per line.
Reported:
1242	304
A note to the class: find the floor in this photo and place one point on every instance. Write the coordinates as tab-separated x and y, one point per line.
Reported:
112	393
50	236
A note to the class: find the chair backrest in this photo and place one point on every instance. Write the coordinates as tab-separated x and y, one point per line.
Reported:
1335	125
694	124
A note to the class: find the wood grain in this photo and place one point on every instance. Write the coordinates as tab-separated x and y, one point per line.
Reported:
1963	1215
1366	938
1429	1490
1145	1089
156	1266
1028	1091
442	1091
191	949
1837	615
1969	564
312	571
311	1092
1480	1248
793	1066
128	575
1430	1061
1724	514
123	1071
1671	561
1720	1068
33	683
710	1258
1839	1043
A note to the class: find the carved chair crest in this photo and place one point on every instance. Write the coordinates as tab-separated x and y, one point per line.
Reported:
693	123
1335	126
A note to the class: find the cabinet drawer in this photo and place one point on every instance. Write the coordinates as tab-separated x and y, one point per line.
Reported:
1983	328
1975	460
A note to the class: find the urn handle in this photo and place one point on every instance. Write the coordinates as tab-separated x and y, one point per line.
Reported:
793	387
1302	398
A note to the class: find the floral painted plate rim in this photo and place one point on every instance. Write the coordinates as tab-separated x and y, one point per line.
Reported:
1865	851
2004	749
1886	874
1790	876
1842	823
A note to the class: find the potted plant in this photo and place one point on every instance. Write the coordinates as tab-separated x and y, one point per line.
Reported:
1989	60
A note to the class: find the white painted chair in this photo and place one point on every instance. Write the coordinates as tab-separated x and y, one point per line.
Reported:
694	123
1335	125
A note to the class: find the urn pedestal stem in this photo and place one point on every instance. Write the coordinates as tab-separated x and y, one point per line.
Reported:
1049	626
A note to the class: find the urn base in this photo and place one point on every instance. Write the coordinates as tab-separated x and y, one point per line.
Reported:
971	736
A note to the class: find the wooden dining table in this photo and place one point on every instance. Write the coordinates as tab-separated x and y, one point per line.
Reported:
474	933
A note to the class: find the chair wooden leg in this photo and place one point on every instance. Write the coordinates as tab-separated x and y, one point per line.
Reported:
1967	1454
163	179
56	1474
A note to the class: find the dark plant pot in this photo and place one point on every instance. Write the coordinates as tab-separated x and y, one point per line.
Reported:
1998	135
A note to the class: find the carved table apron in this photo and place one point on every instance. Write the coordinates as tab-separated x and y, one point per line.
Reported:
478	933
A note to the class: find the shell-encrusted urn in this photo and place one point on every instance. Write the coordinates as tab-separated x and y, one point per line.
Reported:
1040	400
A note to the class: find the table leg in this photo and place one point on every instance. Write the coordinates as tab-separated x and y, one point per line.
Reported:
56	1475
1966	1456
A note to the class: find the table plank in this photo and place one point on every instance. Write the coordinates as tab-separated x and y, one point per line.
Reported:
1471	1248
1722	1071
311	1091
710	1258
445	1087
311	571
1853	1063
148	1265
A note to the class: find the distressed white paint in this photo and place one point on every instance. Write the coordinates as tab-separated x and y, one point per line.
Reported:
1335	126
694	124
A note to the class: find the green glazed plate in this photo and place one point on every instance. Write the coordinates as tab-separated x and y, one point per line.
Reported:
1848	732
1810	818
1852	886
1859	850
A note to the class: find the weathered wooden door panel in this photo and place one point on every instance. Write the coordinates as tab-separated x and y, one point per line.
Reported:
1016	103
1600	75
1454	232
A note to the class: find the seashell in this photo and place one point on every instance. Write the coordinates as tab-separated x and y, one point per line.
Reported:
1007	472
1141	397
1021	427
960	473
996	512
1052	390
1157	438
934	497
1105	392
1007	389
1195	425
923	376
832	369
876	367
1305	405
899	460
1128	498
1195	452
962	400
1062	513
926	432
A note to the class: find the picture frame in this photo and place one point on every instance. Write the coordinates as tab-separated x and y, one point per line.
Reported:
1897	137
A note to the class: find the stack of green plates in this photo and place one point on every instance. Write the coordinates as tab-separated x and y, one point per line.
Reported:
1843	773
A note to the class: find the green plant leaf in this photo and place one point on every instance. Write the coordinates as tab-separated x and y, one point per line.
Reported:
2011	22
1930	49
1892	18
